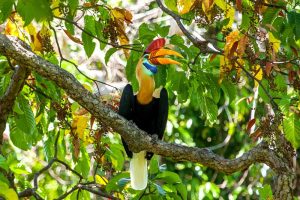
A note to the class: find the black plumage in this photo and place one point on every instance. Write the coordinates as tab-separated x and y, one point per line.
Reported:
151	118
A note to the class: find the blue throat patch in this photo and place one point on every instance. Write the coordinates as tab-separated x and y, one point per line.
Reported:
151	69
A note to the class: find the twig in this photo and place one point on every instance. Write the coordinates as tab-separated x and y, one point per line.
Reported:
275	106
202	45
62	58
100	40
7	100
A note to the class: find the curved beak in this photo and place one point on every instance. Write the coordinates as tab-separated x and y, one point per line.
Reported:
157	57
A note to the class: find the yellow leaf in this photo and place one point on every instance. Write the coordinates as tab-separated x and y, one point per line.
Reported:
120	16
207	5
14	26
230	14
275	42
101	180
79	125
11	29
7	193
35	44
55	8
258	74
231	38
221	4
184	6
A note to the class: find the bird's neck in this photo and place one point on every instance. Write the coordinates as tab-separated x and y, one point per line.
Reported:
146	86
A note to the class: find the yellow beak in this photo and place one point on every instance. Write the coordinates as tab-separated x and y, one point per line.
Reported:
157	57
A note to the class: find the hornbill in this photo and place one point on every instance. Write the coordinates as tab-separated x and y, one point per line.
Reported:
146	111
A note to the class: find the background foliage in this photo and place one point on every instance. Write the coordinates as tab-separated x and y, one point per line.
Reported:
254	65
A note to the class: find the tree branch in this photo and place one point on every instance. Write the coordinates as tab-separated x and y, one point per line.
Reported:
8	99
136	139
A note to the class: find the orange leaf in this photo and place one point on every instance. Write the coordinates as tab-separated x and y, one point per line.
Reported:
239	5
72	37
233	49
212	57
257	133
294	51
291	76
242	45
250	124
269	68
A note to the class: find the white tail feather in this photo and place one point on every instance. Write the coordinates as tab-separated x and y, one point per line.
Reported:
138	171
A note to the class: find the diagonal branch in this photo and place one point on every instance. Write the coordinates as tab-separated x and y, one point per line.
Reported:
202	45
137	140
8	99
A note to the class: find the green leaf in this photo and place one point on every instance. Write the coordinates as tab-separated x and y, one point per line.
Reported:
88	44
112	184
26	121
4	83
83	164
229	89
130	68
48	87
169	177
73	4
202	100
49	148
30	9
116	156
90	24
5	9
269	15
172	5
163	31
245	21
87	39
265	192
154	166
19	169
161	76
181	188
3	163
109	53
7	193
179	83
291	128
146	34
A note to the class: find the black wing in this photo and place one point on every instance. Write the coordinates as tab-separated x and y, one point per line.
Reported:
161	118
162	114
126	110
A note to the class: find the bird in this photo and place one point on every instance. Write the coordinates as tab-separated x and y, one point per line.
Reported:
149	113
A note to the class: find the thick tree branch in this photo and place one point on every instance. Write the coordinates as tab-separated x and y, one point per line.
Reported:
137	140
8	99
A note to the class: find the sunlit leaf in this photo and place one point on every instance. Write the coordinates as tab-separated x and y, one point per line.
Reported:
291	127
275	42
7	193
185	6
258	74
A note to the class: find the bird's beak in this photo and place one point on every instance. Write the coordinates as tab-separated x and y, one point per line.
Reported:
157	57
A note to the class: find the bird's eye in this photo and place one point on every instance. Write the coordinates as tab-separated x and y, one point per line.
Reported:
146	56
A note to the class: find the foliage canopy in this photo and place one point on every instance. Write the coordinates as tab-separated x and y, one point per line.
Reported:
237	86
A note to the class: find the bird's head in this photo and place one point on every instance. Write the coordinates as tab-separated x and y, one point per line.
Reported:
155	55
